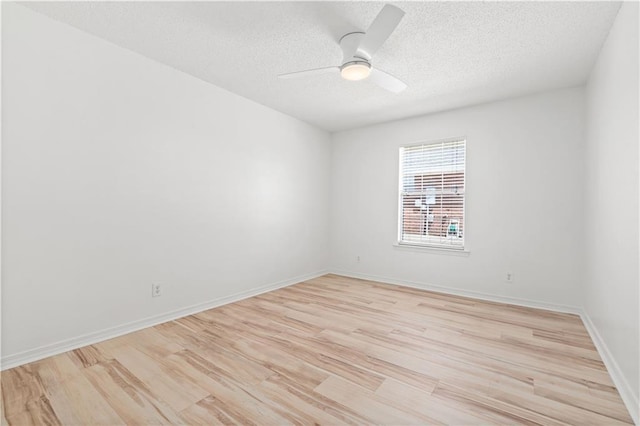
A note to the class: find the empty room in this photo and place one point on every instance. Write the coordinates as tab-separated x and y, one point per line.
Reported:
272	213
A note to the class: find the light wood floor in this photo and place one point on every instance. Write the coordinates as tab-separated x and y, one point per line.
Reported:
332	350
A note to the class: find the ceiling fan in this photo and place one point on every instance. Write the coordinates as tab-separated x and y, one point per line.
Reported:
359	47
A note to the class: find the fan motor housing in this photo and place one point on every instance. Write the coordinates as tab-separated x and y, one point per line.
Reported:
349	44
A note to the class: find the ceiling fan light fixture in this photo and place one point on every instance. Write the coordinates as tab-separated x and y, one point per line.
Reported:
357	50
356	70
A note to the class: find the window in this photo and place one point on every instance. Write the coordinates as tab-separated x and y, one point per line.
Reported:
432	190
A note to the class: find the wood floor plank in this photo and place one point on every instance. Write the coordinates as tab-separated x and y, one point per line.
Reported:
88	408
132	400
3	417
169	386
244	404
345	414
405	397
303	404
332	350
20	387
370	405
206	412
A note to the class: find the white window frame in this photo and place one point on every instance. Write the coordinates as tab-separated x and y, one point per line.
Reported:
431	245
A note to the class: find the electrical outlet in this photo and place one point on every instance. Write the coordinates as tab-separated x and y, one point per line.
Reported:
357	258
156	290
509	277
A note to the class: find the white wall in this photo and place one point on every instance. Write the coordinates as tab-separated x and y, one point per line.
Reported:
119	172
611	226
524	212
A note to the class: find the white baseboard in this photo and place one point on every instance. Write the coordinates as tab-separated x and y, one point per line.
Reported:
631	400
46	351
465	293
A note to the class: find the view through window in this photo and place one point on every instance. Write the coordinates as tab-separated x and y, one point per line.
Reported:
432	187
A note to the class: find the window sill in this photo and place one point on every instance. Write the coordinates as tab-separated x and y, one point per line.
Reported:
433	249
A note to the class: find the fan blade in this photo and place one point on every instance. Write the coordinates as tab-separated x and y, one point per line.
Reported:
386	81
314	71
349	44
379	30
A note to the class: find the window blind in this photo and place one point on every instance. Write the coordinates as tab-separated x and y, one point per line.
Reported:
432	187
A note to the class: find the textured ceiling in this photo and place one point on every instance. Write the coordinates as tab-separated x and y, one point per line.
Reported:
450	54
